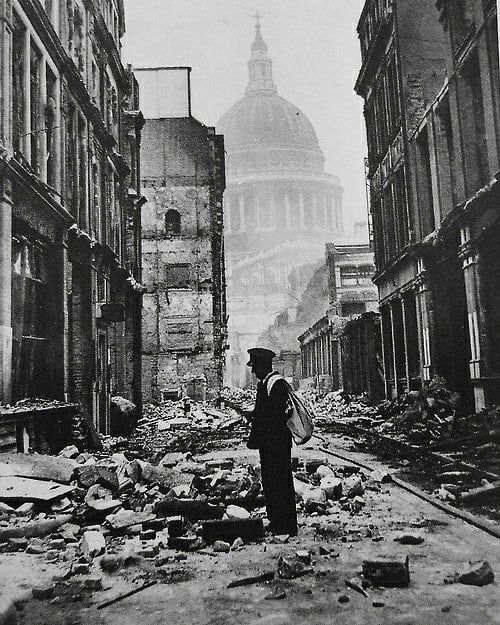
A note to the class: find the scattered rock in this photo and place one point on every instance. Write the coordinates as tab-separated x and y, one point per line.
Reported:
18	544
237	512
387	573
86	582
277	594
291	567
381	476
354	487
304	556
43	591
220	546
343	599
92	544
476	574
26	510
409	539
237	544
71	451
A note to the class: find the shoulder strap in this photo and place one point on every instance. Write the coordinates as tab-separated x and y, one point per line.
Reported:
271	379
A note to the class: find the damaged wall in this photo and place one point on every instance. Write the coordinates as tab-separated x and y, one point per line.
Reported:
182	251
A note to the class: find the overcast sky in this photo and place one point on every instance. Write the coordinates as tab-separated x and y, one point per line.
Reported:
315	52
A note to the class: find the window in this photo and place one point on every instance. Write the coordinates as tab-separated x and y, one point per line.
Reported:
424	184
393	95
446	155
35	63
177	276
348	276
71	145
460	20
365	273
95	82
50	122
82	173
172	222
400	210
472	112
31	305
18	66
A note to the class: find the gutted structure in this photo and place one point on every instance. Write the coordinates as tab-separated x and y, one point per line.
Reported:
184	314
351	293
69	201
430	81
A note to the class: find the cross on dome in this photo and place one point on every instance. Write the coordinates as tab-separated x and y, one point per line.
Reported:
260	66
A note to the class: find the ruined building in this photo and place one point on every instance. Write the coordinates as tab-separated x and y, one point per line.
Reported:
430	80
184	315
280	207
326	358
69	194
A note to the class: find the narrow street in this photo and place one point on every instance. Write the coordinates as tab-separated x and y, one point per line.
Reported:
249	312
191	586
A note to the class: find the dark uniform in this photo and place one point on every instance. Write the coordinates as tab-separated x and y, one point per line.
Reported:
271	436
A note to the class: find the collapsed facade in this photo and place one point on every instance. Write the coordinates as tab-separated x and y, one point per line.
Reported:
350	294
69	228
430	81
184	314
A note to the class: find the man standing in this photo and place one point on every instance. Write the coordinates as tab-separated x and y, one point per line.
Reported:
271	436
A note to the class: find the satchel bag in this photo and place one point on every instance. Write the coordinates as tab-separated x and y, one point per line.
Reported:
300	420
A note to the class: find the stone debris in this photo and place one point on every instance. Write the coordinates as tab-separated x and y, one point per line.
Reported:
93	544
387	573
409	539
231	529
143	502
291	567
219	546
43	591
474	574
254	579
353	584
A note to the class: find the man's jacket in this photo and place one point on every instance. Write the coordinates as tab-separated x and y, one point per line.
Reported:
269	420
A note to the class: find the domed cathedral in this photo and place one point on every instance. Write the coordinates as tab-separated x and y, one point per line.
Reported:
280	208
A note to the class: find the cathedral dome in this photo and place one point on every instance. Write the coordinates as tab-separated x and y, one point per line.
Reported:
263	118
263	131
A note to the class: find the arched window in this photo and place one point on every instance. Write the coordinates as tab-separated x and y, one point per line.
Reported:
172	222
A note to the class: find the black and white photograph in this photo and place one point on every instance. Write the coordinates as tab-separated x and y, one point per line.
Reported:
249	312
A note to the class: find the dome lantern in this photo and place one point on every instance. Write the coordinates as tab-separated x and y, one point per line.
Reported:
260	66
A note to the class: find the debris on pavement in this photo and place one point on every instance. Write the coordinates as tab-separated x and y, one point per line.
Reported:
138	507
473	574
387	573
254	579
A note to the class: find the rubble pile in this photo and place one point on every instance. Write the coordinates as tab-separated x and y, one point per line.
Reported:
323	490
421	416
183	426
427	416
32	403
105	512
338	408
239	398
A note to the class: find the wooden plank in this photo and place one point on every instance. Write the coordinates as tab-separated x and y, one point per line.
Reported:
22	489
38	466
476	494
